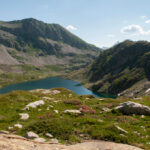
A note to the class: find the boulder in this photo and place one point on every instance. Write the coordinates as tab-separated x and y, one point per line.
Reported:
133	108
31	135
56	111
74	111
18	126
34	104
10	128
49	135
24	116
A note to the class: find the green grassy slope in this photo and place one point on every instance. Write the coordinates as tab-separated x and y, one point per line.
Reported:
92	123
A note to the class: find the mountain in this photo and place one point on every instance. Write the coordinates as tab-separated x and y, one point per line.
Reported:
34	42
123	69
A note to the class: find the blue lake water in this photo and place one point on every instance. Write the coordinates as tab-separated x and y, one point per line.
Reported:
49	83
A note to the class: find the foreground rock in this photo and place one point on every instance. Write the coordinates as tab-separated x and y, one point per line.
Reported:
39	140
133	108
13	142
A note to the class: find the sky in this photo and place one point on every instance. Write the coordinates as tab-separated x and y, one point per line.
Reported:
99	22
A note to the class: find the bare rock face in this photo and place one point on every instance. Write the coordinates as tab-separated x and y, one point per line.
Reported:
14	142
133	108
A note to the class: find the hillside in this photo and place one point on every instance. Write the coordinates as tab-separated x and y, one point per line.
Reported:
122	69
36	48
60	116
34	42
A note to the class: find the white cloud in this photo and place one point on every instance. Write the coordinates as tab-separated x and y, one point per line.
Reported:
70	27
143	17
110	35
147	21
134	30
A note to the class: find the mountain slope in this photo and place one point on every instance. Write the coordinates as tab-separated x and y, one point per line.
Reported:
30	41
122	68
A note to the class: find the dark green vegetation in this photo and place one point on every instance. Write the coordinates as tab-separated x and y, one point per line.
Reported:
125	66
44	48
73	128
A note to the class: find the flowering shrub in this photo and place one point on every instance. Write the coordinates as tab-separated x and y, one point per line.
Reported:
86	109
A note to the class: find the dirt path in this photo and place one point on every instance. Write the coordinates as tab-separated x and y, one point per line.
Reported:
13	142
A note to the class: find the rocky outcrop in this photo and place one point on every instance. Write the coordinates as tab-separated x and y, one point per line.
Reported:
133	108
10	142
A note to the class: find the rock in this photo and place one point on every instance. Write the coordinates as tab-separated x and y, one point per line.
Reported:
4	132
18	126
31	135
54	141
133	108
101	99
106	109
13	142
39	140
147	91
56	111
35	104
122	130
24	116
142	116
49	135
10	128
72	111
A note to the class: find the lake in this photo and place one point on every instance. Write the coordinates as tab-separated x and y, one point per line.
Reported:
49	83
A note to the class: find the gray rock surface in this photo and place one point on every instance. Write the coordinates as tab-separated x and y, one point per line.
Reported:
14	142
133	108
39	140
31	135
35	104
